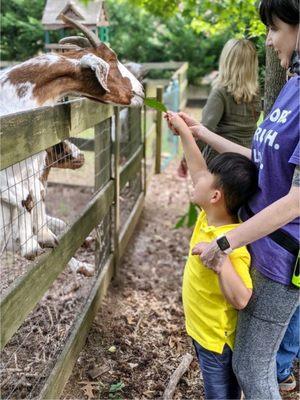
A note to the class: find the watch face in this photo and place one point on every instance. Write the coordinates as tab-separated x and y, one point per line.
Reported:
223	243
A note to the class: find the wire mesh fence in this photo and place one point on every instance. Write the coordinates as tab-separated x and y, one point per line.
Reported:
61	182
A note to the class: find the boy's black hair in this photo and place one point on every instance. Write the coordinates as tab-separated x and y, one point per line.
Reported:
286	10
237	176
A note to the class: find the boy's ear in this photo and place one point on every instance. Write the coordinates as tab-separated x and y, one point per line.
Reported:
216	196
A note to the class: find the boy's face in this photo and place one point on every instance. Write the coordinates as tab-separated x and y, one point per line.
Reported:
204	189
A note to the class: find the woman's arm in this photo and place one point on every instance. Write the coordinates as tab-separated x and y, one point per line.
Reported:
232	286
266	221
217	142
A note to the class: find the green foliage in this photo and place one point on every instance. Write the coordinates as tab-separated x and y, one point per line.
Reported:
115	390
210	17
157	105
21	30
158	39
189	219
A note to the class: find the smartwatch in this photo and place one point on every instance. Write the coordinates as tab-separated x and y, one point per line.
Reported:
223	244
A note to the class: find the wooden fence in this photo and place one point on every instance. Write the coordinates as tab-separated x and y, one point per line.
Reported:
42	128
36	131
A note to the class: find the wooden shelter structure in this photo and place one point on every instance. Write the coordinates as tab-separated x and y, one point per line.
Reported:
93	15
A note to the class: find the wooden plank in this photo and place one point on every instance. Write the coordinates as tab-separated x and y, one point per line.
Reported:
162	65
151	131
144	142
84	144
117	191
151	172
26	133
102	153
23	294
159	97
129	226
63	367
85	114
132	166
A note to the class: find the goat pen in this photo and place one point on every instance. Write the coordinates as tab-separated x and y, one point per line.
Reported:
37	295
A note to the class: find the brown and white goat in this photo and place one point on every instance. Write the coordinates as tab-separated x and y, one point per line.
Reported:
93	72
62	155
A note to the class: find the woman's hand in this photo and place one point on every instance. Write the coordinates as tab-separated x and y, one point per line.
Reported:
210	254
197	129
188	120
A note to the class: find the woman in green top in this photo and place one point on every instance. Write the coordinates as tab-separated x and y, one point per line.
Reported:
233	106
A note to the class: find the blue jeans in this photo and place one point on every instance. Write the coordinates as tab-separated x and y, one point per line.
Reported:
219	380
289	348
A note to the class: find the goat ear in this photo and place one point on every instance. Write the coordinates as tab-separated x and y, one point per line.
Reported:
98	65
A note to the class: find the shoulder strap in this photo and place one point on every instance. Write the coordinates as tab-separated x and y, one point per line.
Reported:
280	236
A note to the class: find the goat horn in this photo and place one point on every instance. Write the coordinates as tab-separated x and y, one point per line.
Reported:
80	41
95	41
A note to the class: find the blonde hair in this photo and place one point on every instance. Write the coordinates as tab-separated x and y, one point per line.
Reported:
238	70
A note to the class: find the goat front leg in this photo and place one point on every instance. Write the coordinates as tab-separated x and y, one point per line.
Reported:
29	246
58	226
45	236
20	202
81	267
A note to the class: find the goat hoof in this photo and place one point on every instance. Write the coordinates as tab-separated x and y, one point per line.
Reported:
30	252
47	240
86	269
88	242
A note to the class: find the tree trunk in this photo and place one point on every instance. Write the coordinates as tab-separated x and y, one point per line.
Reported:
274	79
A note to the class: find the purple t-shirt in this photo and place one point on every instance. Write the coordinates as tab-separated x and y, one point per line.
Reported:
276	152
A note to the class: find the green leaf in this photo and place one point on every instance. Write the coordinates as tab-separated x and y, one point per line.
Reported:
189	218
116	387
157	105
180	222
192	215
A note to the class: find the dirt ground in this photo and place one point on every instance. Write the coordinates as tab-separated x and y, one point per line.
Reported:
138	337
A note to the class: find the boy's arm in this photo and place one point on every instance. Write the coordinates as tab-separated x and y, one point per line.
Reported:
232	286
195	161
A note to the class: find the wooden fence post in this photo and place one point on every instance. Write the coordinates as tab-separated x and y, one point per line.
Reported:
159	121
117	191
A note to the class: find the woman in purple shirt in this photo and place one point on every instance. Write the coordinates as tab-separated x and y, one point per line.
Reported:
271	218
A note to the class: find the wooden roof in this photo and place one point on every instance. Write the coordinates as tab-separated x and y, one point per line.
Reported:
93	14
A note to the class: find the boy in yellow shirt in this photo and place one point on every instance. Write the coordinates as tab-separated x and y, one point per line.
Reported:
211	300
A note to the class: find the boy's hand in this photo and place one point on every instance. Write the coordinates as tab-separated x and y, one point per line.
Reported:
171	127
176	121
211	255
182	169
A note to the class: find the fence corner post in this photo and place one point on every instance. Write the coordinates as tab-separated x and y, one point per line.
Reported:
117	192
159	121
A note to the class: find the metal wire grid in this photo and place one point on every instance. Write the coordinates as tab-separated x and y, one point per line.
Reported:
128	197
130	133
41	213
29	357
